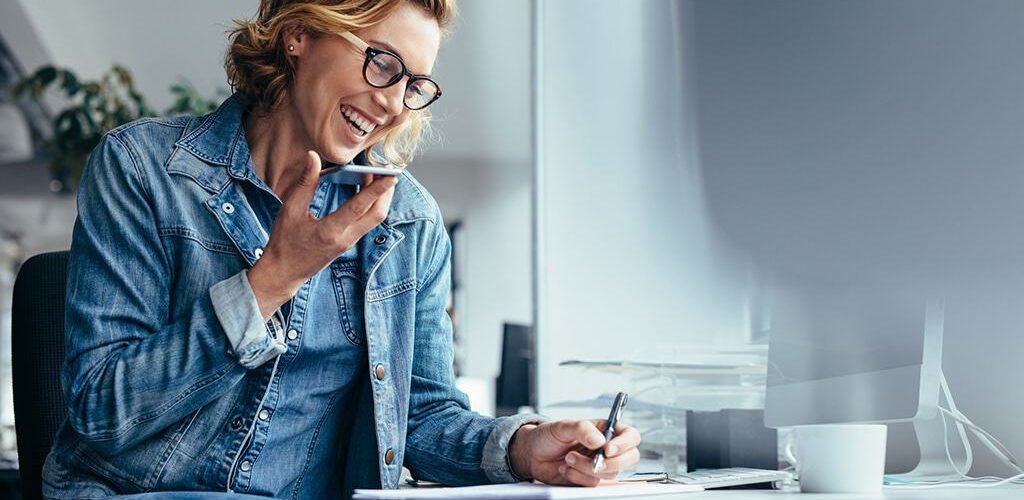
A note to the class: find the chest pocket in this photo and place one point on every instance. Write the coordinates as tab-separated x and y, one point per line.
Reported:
350	291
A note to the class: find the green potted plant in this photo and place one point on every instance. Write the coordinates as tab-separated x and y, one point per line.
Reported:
95	107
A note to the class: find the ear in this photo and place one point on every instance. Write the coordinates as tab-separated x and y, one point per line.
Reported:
295	38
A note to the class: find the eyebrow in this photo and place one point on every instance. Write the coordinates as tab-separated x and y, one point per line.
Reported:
391	48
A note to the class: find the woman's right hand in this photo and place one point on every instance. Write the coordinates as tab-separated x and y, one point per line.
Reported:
301	245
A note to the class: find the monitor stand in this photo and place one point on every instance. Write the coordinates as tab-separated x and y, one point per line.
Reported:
932	438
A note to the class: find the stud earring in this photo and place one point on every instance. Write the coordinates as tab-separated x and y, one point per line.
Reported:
291	48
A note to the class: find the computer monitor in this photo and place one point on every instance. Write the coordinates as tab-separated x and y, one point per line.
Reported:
514	384
858	355
852	355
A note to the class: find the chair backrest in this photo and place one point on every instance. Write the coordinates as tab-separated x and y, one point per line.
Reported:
37	353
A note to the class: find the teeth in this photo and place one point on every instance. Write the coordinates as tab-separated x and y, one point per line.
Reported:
353	116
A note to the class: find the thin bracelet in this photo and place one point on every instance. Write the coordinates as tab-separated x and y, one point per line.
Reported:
508	459
512	470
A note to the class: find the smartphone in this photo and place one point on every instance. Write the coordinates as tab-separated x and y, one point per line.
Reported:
353	174
367	169
360	169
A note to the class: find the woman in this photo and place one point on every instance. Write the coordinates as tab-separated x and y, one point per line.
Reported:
238	324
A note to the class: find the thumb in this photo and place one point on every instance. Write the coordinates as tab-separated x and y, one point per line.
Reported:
578	431
304	187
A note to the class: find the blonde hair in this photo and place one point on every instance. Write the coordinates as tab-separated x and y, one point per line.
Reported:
259	71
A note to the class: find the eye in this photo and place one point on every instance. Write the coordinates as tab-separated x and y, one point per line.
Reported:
380	64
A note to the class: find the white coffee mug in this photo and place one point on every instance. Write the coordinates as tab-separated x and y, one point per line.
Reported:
841	458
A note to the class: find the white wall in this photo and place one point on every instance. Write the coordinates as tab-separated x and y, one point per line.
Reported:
630	264
160	42
480	172
879	142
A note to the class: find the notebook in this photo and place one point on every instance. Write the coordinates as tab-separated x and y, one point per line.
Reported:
531	491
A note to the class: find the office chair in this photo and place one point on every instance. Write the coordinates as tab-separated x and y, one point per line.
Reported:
37	353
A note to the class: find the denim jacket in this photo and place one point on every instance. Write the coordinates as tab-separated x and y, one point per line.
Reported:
165	343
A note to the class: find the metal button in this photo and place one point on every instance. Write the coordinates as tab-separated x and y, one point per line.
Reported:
264	415
379	371
228	208
380	239
236	423
246	466
258	252
292	334
389	456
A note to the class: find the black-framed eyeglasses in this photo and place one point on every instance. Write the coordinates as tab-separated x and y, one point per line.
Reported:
383	69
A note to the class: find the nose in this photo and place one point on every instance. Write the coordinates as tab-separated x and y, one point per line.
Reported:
391	99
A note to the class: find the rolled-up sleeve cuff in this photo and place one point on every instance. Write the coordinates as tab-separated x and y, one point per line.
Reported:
252	341
495	453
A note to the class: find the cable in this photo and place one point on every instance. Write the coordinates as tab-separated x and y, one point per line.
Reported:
1004	453
979	479
990	442
965	442
987	439
958	484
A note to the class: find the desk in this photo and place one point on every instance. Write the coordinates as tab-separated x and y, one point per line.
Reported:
1005	492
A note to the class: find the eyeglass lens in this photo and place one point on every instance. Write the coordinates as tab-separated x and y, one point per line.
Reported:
384	69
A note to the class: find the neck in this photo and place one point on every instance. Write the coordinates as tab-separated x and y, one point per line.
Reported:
277	145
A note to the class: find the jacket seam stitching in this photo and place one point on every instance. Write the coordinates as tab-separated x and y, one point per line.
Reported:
132	423
347	317
380	294
312	444
170	450
166	122
459	464
135	164
194	236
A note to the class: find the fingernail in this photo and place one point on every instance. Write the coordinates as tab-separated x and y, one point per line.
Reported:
561	469
613	450
570	459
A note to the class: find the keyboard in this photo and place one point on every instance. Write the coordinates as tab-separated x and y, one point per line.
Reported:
733	476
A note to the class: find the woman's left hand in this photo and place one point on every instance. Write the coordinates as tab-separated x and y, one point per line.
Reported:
561	452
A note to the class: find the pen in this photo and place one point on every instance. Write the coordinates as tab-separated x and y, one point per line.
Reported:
609	430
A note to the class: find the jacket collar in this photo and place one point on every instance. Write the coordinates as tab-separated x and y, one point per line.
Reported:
218	142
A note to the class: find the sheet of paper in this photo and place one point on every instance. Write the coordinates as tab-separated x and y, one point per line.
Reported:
530	491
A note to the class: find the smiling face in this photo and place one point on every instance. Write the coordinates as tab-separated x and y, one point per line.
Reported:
340	114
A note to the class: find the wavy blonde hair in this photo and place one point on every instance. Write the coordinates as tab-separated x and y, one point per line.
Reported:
260	73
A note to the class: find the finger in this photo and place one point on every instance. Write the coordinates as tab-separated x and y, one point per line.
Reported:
578	431
576	477
625	439
620	463
358	228
358	205
585	465
301	193
376	214
381	207
601	423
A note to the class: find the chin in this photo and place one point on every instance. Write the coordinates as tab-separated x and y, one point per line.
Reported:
338	154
